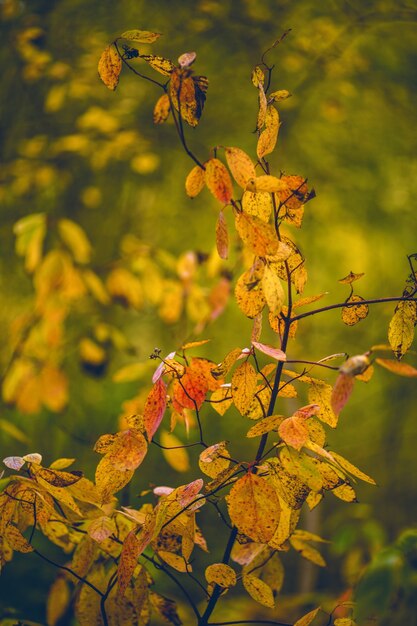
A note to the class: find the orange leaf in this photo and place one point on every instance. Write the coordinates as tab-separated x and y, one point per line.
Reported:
402	369
109	67
294	432
249	293
341	391
154	409
222	236
190	391
218	180
161	109
257	235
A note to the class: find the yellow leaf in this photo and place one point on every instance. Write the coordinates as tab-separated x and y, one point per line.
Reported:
254	507
125	287
262	101
258	236
265	183
61	464
258	590
177	457
158	63
58	600
110	480
294	432
273	290
141	36
13	431
354	313
244	382
56	478
161	109
281	94
307	551
258	76
268	137
16	540
249	293
101	528
75	238
344	621
109	67
187	94
96	287
54	385
220	574
308	300
87	607
345	492
241	166
401	327
133	371
307	618
195	181
30	233
218	180
214	459
176	561
258	204
222	237
221	400
402	369
349	467
350	278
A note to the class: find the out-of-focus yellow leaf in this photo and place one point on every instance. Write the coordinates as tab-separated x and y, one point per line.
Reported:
195	181
254	507
244	382
54	385
13	431
401	327
218	180
258	590
91	352
402	369
61	464
125	287
75	238
268	137
110	66
96	287
308	618
221	574
30	233
353	313
161	109
307	551
177	457
172	302
58	600
241	166
222	236
141	36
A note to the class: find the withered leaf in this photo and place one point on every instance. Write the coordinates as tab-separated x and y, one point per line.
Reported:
218	180
249	293
110	66
161	109
154	409
268	137
128	561
354	313
158	63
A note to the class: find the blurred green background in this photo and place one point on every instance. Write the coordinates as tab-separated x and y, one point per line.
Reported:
73	149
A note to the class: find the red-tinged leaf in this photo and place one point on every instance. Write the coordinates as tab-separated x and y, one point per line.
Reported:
161	109
154	409
275	353
109	67
190	391
218	180
254	507
195	181
307	411
294	432
222	236
244	383
241	166
101	528
396	367
308	618
342	389
205	367
128	561
257	235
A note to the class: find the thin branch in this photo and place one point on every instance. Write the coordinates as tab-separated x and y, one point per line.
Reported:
70	571
250	621
132	69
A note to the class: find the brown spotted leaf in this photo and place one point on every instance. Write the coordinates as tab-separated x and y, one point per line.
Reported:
354	313
109	67
161	109
254	507
258	204
244	382
241	166
128	561
257	235
258	590
350	278
158	63
221	574
249	293
268	137
214	459
273	290
154	409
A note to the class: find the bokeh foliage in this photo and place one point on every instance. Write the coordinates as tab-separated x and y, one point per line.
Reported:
74	150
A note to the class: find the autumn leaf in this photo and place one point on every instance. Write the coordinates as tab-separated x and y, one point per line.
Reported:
268	137
214	459
350	278
349	467
174	452
190	390
128	561
222	236
166	608
401	327
258	204
354	313
187	94
195	181
249	293
218	180
257	235
160	64
265	182
263	103
161	109
244	382
308	618
110	66
30	233
75	239
221	574
258	590
254	507
154	408
56	478
402	369
294	432
241	166
140	36
59	597
275	353
273	290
